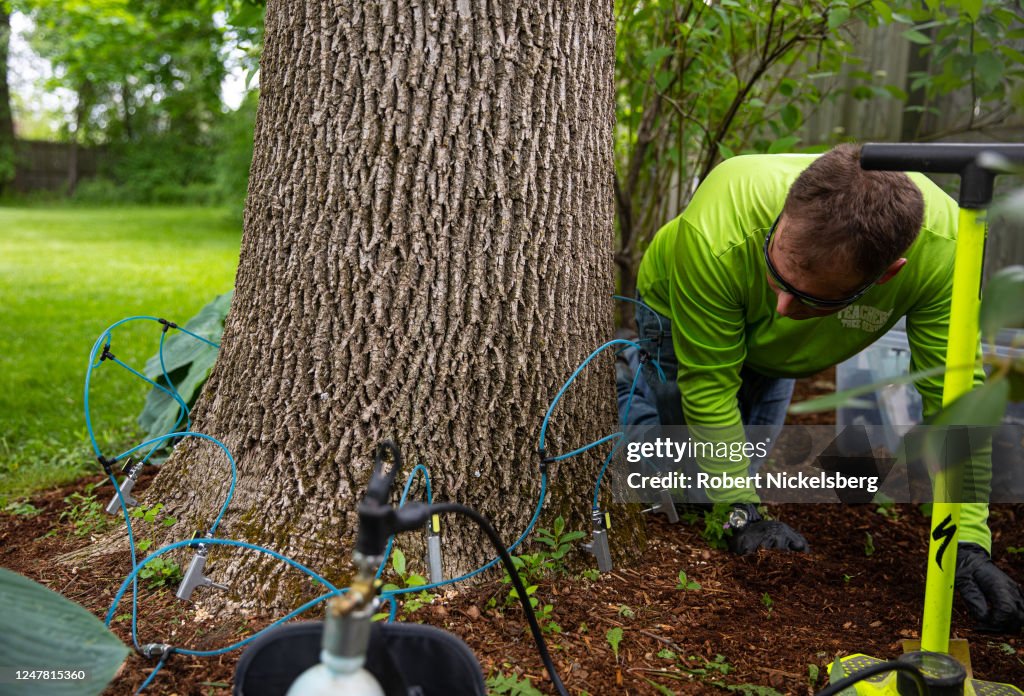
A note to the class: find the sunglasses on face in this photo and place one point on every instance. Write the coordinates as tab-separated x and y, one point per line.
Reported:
807	300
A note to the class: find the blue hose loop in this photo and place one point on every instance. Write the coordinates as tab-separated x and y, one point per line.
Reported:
182	412
572	378
211	542
490	564
333	590
231	459
419	468
105	340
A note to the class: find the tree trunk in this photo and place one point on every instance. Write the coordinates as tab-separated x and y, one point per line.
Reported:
7	161
426	257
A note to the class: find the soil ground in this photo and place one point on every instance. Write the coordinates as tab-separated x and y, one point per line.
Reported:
763	624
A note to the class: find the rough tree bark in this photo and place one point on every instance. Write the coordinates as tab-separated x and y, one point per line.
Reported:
426	257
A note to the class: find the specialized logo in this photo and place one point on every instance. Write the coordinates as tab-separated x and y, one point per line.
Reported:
870	319
946	530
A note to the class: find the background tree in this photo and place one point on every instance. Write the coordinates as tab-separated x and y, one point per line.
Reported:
425	257
699	82
147	76
6	119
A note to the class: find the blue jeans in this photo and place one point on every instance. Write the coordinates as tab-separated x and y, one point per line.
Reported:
762	400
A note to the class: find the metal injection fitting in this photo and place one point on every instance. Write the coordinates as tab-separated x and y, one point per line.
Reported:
435	566
666	506
133	471
194	576
599	546
154	650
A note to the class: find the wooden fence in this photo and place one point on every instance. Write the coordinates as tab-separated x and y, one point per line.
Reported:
47	166
886	54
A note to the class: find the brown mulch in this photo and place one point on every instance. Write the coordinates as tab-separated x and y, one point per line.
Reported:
769	620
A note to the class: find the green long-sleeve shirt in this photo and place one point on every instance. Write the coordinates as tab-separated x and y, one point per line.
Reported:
706	271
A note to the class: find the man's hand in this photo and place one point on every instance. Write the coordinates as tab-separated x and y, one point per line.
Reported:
750	532
993	599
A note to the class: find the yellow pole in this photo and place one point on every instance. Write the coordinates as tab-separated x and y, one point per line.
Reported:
961	350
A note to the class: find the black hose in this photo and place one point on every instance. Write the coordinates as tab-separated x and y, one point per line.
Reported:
862	674
531	618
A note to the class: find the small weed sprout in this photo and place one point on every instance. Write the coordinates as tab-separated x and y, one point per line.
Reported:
558	542
149	515
510	684
685	584
888	509
626	612
869	544
614	637
768	602
85	513
409	580
716	528
161	573
812	675
21	508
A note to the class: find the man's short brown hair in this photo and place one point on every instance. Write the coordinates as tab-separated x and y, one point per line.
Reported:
864	218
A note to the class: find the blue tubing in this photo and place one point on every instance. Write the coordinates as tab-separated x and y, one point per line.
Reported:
105	339
210	542
572	378
401	502
234	468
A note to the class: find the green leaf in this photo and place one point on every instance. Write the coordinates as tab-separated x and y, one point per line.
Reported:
848	397
791	116
660	688
783	144
188	362
980	408
415	580
614	637
838	17
1013	54
990	69
836	672
916	37
725	151
663	79
656	55
398	561
883	10
40	629
971	8
180	349
1001	305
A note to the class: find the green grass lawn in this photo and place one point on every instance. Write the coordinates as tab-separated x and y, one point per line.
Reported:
66	274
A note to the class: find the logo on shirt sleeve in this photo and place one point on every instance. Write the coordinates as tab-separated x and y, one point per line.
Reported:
863	317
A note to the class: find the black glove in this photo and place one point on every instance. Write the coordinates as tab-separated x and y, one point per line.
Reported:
993	599
750	532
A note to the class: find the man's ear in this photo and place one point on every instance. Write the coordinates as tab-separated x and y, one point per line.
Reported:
891	271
